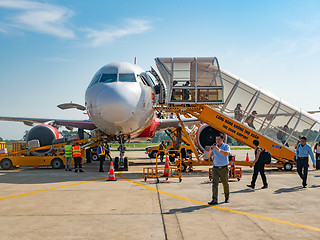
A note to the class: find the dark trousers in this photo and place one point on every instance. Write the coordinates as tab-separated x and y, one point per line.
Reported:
221	173
77	163
317	156
302	169
101	159
258	168
108	154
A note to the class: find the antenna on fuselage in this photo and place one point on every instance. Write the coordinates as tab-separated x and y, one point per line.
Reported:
135	60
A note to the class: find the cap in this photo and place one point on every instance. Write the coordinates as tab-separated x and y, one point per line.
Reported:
239	105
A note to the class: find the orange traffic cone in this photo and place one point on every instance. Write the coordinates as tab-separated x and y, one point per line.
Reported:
112	176
166	168
247	158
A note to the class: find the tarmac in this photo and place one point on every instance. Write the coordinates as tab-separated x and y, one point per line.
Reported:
44	203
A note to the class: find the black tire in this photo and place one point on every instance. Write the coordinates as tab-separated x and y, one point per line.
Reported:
288	166
153	154
94	157
116	163
145	178
125	164
56	163
238	179
6	164
180	179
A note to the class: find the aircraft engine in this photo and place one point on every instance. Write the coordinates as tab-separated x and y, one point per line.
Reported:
45	134
205	136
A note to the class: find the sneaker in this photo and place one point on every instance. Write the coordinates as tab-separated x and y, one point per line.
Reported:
66	169
70	169
81	170
213	202
227	200
265	186
250	186
76	170
101	171
304	186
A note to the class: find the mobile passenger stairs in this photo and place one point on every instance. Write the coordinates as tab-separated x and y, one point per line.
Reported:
197	87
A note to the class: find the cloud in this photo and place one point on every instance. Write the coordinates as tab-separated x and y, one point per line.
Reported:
131	27
37	17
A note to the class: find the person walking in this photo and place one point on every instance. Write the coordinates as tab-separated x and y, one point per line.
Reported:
250	119
317	150
258	164
220	153
161	150
68	155
77	157
102	155
303	152
238	114
107	148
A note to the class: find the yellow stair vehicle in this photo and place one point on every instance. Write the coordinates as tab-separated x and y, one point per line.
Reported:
229	104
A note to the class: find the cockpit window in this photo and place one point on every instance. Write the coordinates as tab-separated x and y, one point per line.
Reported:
95	79
108	78
127	78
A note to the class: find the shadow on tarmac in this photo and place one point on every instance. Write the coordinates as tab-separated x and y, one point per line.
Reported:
288	190
186	209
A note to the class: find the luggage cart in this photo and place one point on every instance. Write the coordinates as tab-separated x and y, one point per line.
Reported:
173	170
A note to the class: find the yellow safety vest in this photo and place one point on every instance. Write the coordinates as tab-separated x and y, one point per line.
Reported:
102	151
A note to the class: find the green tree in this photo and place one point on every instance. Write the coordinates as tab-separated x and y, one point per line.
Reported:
1	139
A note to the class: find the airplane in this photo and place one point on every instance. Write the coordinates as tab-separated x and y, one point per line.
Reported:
120	102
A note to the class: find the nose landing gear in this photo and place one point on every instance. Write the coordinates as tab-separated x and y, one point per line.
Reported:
121	163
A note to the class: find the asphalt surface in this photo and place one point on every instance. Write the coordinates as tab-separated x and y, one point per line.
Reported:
45	203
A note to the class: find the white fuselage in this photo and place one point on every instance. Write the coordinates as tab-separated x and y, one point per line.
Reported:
119	100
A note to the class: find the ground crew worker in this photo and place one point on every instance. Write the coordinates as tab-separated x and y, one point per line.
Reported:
161	150
258	164
107	148
68	155
220	153
77	157
302	157
102	155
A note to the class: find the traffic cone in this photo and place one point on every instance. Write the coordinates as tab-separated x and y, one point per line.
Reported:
247	158
112	176
166	168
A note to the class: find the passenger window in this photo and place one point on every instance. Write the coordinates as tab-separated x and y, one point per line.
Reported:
95	79
127	78
108	78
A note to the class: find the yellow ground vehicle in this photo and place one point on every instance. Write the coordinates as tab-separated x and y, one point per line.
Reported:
153	150
21	155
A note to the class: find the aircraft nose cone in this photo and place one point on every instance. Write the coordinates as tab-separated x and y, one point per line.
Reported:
117	102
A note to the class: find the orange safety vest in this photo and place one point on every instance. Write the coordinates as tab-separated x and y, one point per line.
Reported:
76	151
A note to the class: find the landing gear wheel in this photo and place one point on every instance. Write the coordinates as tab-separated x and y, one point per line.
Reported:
167	179
288	166
180	179
145	178
125	164
116	163
56	163
6	164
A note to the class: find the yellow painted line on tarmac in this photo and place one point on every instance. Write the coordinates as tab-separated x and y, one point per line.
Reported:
49	189
223	208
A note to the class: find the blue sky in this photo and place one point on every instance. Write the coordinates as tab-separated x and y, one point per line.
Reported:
49	50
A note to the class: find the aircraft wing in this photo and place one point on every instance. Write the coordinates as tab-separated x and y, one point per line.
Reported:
85	124
174	123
